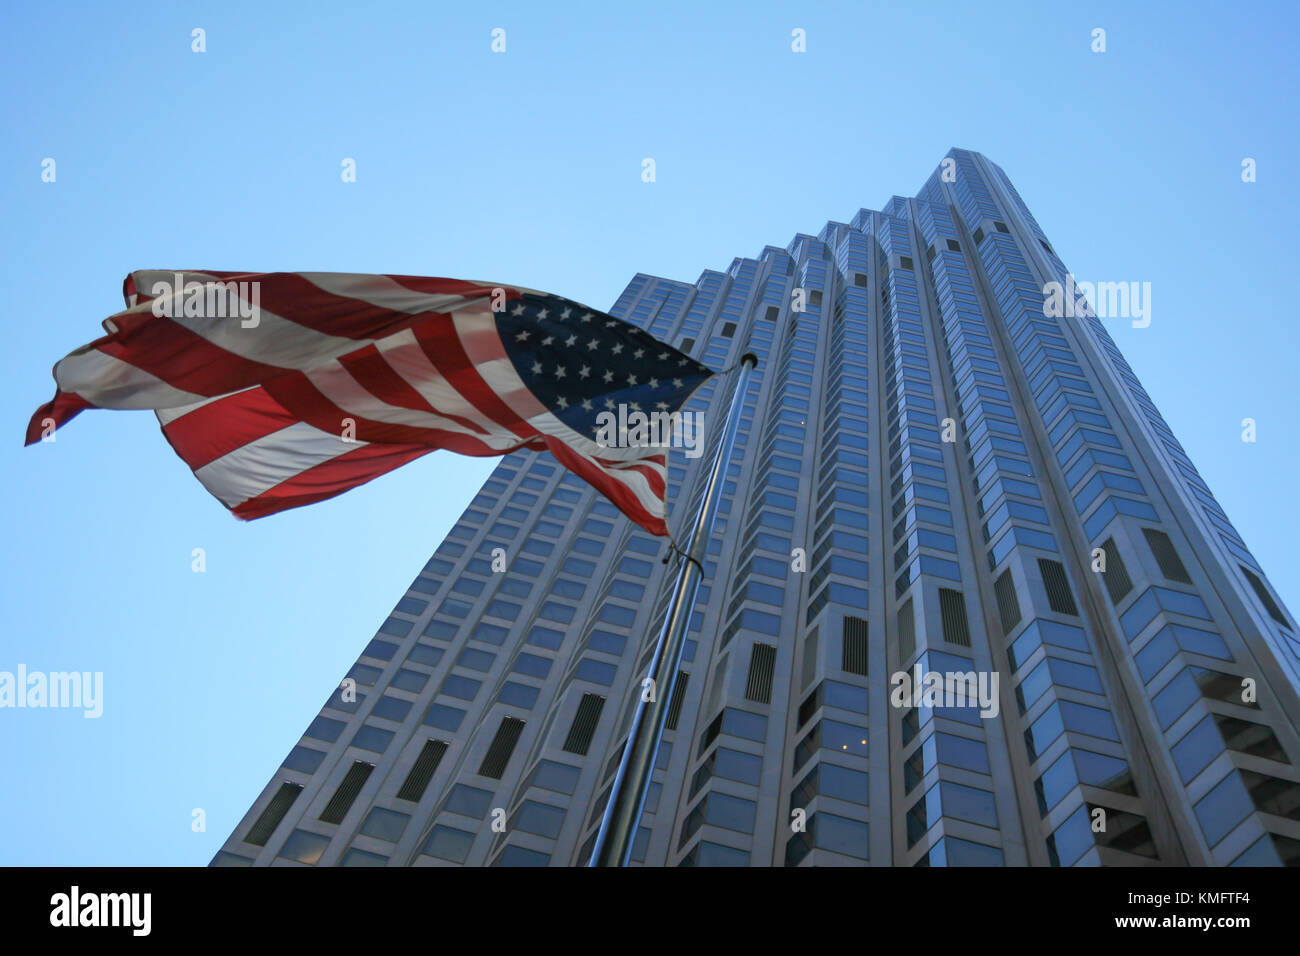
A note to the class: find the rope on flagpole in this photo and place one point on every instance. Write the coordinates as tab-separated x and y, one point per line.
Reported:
675	548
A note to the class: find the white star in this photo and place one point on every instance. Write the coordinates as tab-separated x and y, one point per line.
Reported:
677	383
548	340
561	401
631	379
586	404
661	404
609	376
617	348
593	344
566	313
584	372
522	335
537	368
559	371
609	403
653	383
634	406
662	356
518	309
544	313
611	323
638	353
683	361
586	317
570	340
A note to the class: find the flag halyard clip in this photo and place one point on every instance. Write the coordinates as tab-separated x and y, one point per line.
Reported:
674	548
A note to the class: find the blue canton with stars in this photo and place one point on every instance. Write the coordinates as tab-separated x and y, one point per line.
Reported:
579	362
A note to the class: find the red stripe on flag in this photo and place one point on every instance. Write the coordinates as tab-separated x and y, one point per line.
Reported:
373	373
185	359
613	489
348	471
436	286
300	396
304	303
329	478
226	425
442	346
653	476
60	410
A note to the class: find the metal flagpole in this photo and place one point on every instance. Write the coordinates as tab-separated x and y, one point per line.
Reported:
627	795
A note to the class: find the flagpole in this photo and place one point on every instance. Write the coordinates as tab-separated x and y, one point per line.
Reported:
627	795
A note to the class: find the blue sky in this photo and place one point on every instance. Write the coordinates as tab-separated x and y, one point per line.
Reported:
524	167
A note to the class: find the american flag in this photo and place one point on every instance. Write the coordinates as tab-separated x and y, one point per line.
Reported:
334	379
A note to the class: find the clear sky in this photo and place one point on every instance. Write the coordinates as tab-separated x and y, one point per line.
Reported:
525	167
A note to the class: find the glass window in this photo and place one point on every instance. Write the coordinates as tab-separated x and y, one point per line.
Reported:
424	654
304	846
732	813
503	609
712	854
355	857
382	650
545	637
518	856
539	818
518	695
845	696
410	680
1197	749
372	738
303	759
1179	694
968	803
515	587
385	824
555	611
567	589
365	674
626	589
1101	770
840	783
559	777
453	608
1196	641
469	801
1071	839
1220	810
475	660
444	717
1156	654
741	723
839	834
619	616
844	738
463	687
441	630
579	567
532	665
607	643
961	752
448	843
951	851
325	728
595	671
391	708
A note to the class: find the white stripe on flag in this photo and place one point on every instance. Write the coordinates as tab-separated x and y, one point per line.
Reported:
260	465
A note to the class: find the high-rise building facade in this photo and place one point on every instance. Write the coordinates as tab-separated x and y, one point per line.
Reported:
937	488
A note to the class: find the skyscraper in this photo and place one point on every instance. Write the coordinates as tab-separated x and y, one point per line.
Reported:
968	603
